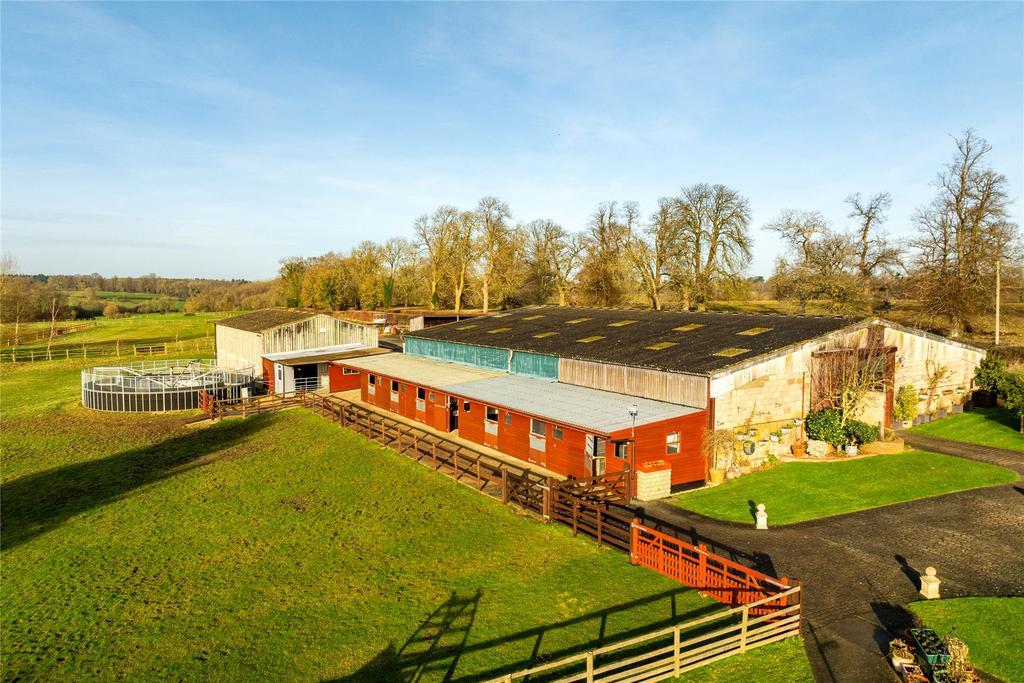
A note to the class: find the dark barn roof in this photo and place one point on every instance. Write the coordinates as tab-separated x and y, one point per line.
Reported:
678	341
258	321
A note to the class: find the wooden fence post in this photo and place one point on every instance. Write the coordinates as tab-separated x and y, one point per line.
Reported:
675	650
634	542
546	505
743	628
504	485
590	667
599	518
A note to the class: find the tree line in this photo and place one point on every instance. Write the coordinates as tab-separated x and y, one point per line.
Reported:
692	248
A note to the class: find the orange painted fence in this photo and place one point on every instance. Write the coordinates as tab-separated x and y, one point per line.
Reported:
713	575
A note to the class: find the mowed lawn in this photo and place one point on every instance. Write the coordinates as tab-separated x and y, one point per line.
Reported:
996	427
799	491
991	628
282	547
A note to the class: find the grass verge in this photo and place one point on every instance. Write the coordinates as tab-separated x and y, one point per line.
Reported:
997	427
989	626
800	491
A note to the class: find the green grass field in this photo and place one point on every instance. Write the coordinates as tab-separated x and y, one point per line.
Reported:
991	628
283	547
996	427
799	491
145	329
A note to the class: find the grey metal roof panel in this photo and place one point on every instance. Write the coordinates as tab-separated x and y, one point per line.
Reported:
429	373
697	342
590	409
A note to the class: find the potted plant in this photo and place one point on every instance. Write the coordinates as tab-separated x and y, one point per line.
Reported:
912	673
716	446
958	668
928	644
904	410
785	430
850	448
900	654
799	449
775	436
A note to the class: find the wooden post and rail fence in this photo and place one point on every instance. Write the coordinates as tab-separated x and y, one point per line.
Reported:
117	349
762	609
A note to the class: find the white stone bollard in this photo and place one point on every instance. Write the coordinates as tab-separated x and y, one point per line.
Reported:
762	517
930	584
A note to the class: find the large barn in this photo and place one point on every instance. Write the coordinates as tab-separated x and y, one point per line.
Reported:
246	341
584	391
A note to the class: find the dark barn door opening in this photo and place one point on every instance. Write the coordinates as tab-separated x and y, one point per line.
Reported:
453	414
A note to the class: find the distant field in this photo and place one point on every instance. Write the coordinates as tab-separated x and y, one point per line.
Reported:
151	328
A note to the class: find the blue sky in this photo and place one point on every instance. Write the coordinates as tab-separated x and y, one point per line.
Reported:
214	139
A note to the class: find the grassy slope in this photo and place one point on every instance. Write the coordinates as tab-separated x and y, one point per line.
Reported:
986	426
137	329
795	492
989	626
278	547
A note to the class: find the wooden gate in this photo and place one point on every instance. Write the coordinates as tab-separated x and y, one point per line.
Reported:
710	574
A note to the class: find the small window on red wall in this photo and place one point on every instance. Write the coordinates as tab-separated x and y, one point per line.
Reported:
672	443
508	418
556	432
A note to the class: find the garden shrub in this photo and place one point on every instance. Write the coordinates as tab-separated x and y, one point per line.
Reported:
860	432
991	374
826	425
905	407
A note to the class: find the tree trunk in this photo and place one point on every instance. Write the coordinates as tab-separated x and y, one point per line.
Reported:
484	290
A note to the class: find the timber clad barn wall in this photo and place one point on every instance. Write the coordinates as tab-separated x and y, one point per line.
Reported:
243	340
673	387
511	432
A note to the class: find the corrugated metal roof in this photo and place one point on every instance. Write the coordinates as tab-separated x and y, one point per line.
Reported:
697	342
257	321
419	370
324	354
590	409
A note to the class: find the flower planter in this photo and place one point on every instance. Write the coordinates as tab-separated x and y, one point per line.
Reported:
786	430
957	410
716	476
929	645
774	438
799	450
942	413
897	424
917	420
912	673
850	450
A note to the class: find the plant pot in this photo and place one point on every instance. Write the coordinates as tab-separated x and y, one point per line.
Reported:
716	476
942	413
799	450
897	424
957	410
752	432
850	450
899	662
774	438
745	469
785	431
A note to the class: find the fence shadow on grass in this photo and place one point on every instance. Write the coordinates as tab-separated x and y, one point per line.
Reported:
434	650
37	503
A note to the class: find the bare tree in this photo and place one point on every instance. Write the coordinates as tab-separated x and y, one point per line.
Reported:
715	239
55	300
843	376
396	253
15	295
434	233
962	233
874	253
799	228
652	252
602	276
493	216
555	256
462	252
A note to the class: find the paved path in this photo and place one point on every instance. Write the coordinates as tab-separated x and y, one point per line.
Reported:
860	569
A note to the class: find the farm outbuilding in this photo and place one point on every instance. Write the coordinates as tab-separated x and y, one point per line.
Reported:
754	372
243	340
311	369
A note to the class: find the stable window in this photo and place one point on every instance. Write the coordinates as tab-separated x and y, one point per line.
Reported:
421	404
349	371
492	414
433	397
421	393
622	449
556	431
371	387
372	379
538	428
491	420
465	406
508	418
672	443
394	385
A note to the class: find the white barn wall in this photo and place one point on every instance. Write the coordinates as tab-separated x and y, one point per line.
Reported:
243	349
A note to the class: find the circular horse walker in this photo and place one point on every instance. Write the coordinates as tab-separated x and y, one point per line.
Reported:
160	386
